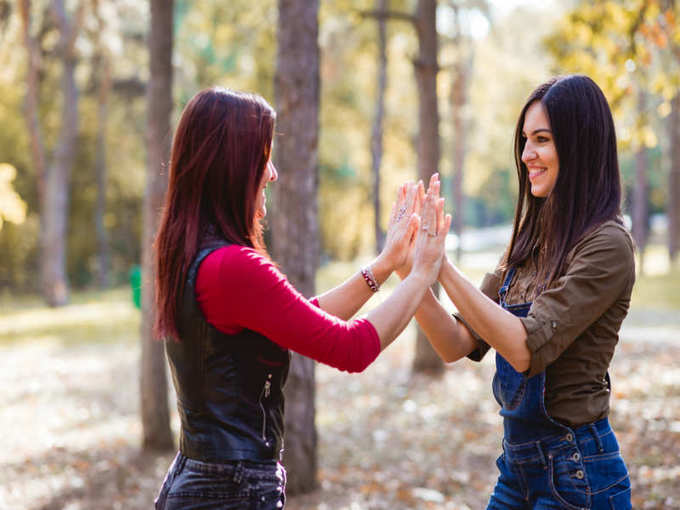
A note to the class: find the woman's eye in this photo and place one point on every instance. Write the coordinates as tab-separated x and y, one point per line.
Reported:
542	139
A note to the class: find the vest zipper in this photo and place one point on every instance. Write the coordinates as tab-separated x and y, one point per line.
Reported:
265	394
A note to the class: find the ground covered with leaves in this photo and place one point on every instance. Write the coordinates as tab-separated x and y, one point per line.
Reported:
388	439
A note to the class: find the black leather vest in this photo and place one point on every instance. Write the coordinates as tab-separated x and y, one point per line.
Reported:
228	386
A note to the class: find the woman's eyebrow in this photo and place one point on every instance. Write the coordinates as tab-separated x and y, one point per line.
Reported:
539	130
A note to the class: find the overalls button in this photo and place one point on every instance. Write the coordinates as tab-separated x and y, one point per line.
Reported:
554	324
579	474
576	457
569	437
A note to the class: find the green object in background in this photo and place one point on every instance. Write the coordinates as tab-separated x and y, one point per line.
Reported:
136	284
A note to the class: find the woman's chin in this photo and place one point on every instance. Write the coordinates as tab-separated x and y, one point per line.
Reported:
539	192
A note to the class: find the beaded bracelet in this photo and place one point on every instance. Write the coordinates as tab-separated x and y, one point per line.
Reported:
370	279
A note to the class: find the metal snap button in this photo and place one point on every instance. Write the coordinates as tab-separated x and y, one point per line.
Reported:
569	437
579	474
576	457
554	324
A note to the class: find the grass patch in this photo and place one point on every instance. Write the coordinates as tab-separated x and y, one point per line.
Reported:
92	316
658	291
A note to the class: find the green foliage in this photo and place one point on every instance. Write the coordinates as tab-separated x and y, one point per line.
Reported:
627	47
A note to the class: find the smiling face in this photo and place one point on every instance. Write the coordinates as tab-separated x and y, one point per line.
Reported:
539	154
270	175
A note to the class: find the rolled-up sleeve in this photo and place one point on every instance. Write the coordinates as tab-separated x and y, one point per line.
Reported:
601	268
490	285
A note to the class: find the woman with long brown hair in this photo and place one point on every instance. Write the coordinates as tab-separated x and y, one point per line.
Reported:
229	317
553	307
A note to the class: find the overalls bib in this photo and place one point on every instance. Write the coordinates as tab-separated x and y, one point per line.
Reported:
546	464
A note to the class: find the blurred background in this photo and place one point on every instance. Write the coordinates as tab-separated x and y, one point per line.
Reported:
74	177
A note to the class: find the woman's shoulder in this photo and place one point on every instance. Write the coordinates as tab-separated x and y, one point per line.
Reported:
611	239
236	262
611	231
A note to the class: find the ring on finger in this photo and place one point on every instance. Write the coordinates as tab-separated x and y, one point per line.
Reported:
401	212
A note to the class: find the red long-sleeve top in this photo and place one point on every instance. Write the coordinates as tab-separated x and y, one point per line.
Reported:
238	288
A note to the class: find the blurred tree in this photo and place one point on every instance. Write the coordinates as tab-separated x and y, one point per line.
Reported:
153	381
295	224
640	201
426	68
53	177
101	71
674	181
460	71
378	122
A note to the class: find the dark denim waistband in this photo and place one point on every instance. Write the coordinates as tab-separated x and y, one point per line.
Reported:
251	470
532	451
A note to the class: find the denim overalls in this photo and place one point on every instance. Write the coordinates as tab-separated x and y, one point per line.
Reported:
545	464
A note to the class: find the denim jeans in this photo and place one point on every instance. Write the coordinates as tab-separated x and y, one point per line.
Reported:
577	471
237	485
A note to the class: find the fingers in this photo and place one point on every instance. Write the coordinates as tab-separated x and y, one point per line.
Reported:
441	217
447	223
393	213
410	198
420	197
413	225
429	222
434	181
400	206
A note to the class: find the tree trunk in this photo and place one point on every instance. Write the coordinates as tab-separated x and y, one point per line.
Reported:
295	230
53	180
640	192
674	182
153	380
56	196
377	131
426	67
102	69
32	98
458	99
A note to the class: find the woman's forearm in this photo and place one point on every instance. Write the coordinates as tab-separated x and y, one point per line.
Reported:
347	298
391	317
499	328
449	338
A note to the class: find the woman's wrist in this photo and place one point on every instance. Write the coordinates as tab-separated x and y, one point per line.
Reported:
446	270
418	277
381	267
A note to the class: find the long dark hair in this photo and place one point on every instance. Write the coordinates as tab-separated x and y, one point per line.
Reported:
588	187
219	153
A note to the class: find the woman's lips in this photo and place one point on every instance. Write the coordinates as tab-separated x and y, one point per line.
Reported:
535	172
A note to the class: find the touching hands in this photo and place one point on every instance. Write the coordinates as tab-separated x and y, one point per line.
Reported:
429	246
403	226
404	269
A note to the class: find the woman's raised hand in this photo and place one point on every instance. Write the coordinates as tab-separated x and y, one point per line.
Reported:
403	224
431	238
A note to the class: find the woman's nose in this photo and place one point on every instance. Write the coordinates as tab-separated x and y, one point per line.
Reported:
528	153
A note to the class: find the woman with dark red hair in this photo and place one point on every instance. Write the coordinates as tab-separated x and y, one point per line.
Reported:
230	317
